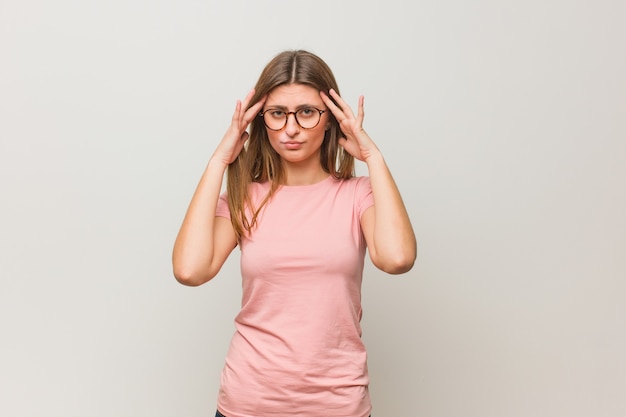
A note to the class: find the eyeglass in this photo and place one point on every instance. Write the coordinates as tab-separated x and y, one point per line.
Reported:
306	117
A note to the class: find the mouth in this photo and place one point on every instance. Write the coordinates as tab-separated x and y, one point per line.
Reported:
292	144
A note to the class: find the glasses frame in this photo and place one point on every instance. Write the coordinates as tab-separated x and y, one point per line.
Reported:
295	116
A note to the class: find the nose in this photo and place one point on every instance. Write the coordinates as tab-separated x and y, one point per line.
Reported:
292	127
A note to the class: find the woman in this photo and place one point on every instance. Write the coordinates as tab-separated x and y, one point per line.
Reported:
303	223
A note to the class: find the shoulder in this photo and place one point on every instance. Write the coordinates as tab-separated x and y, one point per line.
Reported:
362	182
257	191
357	190
356	184
361	192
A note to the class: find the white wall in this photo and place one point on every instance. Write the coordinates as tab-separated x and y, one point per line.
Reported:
504	125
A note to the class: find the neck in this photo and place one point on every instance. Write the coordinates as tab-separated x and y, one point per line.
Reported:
303	176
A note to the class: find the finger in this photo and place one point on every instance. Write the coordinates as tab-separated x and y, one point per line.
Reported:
237	112
244	105
256	107
246	101
361	111
252	112
334	109
344	106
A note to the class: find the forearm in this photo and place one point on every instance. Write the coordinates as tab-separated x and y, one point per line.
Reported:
194	245
394	245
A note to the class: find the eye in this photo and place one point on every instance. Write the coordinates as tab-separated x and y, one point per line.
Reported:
275	113
306	112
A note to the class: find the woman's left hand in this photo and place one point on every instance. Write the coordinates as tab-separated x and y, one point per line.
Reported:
355	141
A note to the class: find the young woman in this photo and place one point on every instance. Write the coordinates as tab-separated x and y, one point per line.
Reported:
303	223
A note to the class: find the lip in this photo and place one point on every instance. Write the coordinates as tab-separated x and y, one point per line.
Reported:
292	144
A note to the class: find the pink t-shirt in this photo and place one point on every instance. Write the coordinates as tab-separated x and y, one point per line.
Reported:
297	347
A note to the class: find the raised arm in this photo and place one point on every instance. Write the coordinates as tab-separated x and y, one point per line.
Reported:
204	240
386	225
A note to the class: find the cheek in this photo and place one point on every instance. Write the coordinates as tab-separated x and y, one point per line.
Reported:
320	132
274	137
274	140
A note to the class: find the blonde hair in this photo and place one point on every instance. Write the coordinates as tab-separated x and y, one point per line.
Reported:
258	162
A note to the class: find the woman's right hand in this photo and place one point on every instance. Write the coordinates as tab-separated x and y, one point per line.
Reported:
236	135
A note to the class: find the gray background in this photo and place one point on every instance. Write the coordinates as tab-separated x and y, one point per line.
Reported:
504	126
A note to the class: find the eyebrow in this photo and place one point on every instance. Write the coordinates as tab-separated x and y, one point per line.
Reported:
301	106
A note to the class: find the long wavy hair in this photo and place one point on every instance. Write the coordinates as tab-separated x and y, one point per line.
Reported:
258	161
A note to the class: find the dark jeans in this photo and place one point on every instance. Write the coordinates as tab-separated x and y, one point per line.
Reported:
218	414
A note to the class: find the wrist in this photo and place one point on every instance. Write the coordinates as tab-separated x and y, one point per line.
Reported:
374	157
216	164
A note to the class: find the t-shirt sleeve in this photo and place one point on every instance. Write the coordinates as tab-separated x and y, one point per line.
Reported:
364	197
222	206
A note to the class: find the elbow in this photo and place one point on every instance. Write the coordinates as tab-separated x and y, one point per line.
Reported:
398	262
399	265
190	271
189	277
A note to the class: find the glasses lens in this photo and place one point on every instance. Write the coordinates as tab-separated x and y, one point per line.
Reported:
275	119
308	117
